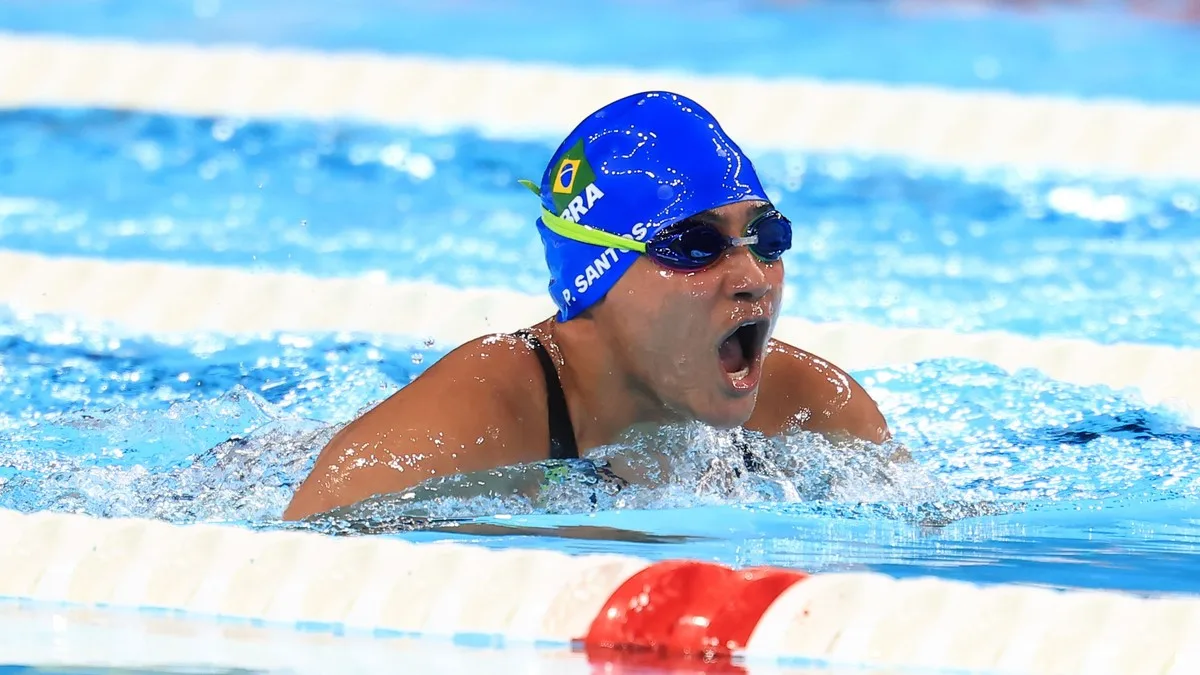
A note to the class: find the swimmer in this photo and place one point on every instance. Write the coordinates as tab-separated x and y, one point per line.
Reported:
665	260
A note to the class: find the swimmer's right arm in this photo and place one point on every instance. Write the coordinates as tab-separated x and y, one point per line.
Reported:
457	417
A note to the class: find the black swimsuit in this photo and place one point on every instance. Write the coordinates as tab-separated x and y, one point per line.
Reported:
562	432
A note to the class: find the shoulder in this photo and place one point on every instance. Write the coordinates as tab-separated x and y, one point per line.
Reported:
479	397
471	410
495	370
802	391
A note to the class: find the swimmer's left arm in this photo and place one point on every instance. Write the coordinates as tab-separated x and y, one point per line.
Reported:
802	391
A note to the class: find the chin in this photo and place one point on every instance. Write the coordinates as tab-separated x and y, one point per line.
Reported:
728	414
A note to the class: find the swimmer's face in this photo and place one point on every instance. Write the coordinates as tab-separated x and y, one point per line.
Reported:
695	341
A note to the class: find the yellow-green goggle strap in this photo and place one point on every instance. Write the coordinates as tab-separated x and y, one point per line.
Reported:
582	233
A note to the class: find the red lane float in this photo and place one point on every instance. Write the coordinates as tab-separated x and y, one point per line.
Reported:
686	608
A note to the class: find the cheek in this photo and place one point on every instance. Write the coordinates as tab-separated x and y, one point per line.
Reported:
774	273
775	277
668	316
683	327
659	293
680	302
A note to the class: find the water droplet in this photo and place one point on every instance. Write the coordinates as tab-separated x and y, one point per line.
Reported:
223	130
418	358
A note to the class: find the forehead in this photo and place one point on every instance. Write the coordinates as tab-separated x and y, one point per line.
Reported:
732	214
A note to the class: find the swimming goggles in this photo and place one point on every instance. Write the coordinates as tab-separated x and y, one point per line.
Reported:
685	246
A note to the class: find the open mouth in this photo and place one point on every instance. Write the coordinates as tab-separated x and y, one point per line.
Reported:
740	349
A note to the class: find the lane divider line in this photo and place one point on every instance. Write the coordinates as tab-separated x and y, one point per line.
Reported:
618	610
174	300
515	100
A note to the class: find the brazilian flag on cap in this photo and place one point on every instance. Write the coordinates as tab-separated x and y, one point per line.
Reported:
572	175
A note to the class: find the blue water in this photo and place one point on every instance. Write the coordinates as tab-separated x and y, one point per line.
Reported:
1016	478
1093	51
880	241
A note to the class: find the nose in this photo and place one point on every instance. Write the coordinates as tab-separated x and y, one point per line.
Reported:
745	275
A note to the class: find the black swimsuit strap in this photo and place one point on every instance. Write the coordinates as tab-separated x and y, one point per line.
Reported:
562	432
742	444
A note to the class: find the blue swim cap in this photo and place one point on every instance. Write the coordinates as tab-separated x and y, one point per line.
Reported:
631	168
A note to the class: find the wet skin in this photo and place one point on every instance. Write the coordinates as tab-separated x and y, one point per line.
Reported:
647	355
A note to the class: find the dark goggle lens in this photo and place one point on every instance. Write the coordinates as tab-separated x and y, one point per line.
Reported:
774	237
688	249
698	246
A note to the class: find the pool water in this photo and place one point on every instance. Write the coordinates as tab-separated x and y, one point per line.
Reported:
879	240
1016	477
1093	49
89	641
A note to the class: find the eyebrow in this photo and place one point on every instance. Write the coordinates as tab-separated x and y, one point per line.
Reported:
762	208
703	218
710	217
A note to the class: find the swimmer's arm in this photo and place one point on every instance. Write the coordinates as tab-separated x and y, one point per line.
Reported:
801	391
452	419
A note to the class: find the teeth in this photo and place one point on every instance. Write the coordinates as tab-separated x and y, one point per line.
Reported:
741	373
